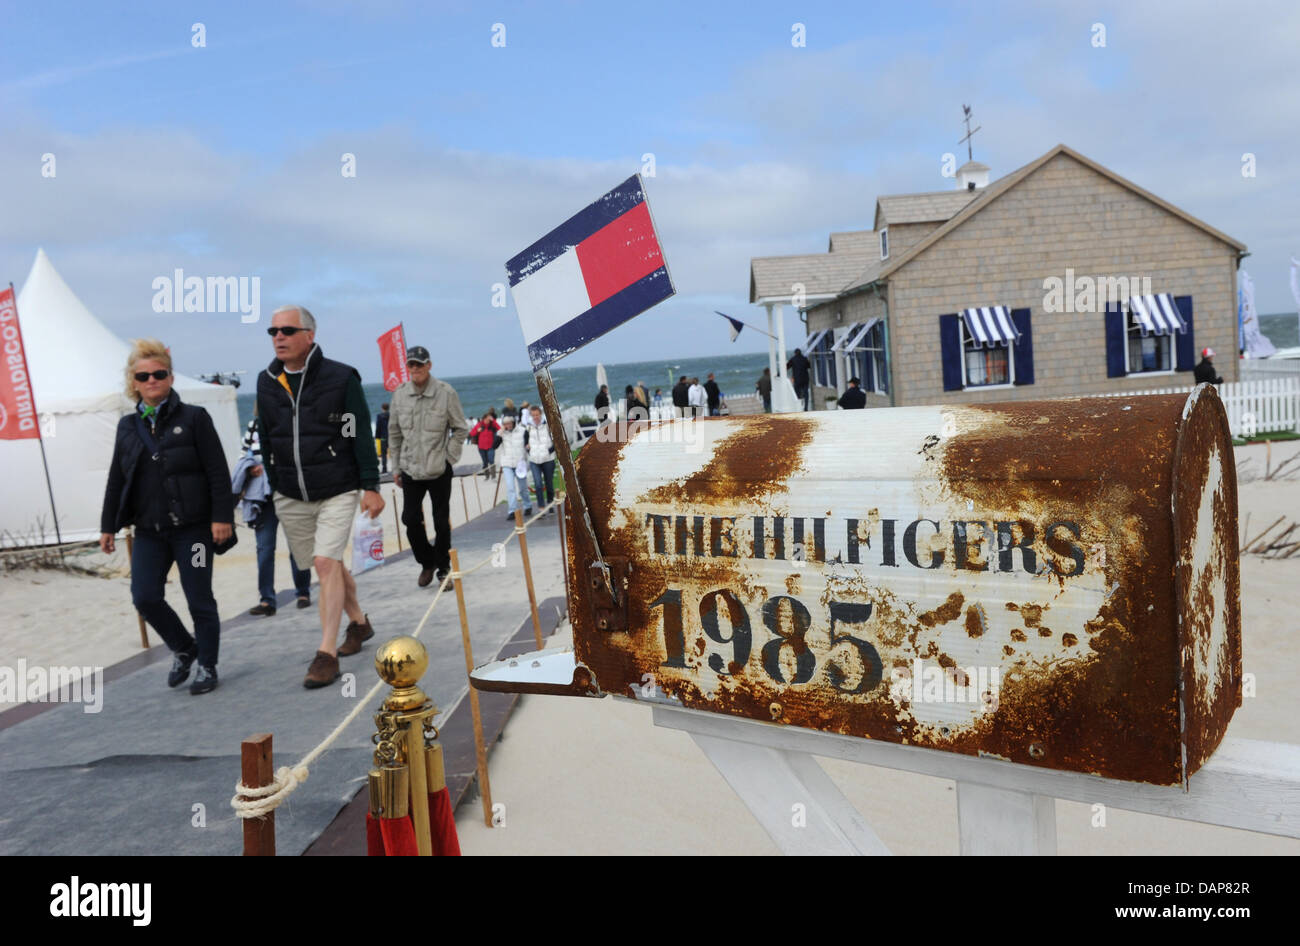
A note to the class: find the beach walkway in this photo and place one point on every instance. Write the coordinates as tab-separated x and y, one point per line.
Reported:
154	770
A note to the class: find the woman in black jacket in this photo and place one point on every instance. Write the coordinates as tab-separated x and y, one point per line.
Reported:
169	479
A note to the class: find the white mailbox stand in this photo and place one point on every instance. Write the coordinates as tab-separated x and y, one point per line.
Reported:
1002	807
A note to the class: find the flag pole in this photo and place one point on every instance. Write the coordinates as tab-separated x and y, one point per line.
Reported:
746	324
44	462
564	453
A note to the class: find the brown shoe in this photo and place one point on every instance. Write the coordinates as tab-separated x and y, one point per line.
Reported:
357	633
323	671
426	576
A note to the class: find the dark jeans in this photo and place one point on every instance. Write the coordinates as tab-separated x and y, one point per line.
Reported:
488	455
544	478
767	403
802	394
437	555
383	454
190	547
267	524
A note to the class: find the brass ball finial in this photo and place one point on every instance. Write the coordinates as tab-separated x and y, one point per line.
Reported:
401	662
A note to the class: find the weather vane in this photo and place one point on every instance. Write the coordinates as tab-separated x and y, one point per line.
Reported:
969	132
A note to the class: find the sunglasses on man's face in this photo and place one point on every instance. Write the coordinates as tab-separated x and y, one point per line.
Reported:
288	331
417	364
158	375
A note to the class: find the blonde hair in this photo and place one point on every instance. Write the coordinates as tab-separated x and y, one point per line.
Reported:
142	349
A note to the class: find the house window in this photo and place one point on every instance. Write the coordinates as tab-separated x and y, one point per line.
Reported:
867	359
823	360
1150	352
884	244
983	366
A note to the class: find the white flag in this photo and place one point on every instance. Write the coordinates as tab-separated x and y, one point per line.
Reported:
1255	342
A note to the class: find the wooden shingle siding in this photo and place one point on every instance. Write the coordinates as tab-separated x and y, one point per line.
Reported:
1065	215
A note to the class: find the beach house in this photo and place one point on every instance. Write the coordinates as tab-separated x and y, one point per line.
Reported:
1061	278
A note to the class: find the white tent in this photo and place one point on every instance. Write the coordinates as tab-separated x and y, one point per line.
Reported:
77	369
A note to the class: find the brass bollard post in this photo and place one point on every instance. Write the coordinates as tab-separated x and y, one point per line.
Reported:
400	781
528	576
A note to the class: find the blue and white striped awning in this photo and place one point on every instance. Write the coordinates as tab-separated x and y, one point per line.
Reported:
854	337
813	340
1156	314
990	325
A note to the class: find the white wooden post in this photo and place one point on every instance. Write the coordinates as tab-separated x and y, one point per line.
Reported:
792	797
1000	821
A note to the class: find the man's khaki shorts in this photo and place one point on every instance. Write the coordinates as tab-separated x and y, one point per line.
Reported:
322	527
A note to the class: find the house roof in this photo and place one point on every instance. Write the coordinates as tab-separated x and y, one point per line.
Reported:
921	208
854	241
822	274
987	195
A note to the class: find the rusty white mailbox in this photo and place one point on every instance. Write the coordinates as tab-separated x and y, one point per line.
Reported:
1053	583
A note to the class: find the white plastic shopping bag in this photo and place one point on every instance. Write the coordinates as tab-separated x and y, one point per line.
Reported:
367	543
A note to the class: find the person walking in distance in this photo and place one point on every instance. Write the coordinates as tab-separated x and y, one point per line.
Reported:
696	398
426	435
681	397
799	368
257	507
541	457
1204	372
381	432
314	426
713	396
484	435
854	398
513	459
168	479
764	388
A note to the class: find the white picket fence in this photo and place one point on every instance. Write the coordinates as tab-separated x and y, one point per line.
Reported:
1254	407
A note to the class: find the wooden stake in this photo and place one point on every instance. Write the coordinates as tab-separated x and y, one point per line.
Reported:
497	492
528	576
464	501
480	751
256	772
130	557
1248	545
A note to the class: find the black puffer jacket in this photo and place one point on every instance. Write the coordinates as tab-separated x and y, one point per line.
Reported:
194	478
305	439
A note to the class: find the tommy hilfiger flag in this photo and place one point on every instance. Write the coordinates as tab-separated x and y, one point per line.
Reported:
592	273
736	325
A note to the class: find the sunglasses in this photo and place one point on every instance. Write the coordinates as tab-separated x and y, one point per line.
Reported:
158	375
416	364
288	331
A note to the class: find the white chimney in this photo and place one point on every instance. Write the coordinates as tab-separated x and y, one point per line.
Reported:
972	176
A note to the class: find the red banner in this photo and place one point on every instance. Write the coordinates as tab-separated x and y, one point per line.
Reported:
17	409
392	358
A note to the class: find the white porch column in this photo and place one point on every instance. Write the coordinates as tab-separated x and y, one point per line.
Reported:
771	342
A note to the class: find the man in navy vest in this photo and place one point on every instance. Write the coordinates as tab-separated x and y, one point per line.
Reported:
316	439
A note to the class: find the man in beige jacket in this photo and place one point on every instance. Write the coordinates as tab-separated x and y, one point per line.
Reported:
426	433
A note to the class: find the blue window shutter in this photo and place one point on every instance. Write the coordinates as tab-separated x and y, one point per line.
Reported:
868	377
1023	350
1116	355
950	352
1185	341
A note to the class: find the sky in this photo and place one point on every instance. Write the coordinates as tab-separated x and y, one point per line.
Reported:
225	157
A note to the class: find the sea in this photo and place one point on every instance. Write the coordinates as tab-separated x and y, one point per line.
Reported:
574	386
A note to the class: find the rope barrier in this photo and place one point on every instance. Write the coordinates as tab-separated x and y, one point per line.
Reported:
251	802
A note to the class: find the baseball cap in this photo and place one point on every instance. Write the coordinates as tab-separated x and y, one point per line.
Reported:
1207	352
418	353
